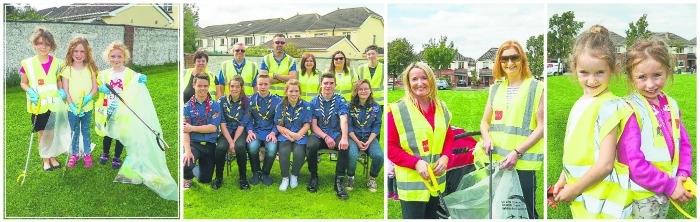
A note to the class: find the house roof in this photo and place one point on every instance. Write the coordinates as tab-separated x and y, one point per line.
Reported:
694	41
617	39
314	43
253	26
670	37
489	55
344	19
88	11
297	23
459	57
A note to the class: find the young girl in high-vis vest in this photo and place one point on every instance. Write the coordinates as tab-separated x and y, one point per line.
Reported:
118	76
655	144
39	78
592	175
80	85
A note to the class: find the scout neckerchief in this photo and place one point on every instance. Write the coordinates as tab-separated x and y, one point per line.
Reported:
238	109
356	113
199	121
267	110
239	68
296	113
323	109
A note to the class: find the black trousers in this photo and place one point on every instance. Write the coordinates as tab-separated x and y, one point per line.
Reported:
204	155
420	210
222	149
314	144
107	144
528	183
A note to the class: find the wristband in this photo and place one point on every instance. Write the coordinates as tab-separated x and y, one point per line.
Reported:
519	154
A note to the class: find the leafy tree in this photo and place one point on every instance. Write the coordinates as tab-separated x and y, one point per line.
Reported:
22	12
638	30
561	35
189	27
535	52
258	50
475	78
676	45
439	54
293	50
400	56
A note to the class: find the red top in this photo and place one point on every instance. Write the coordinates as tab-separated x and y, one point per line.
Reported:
400	157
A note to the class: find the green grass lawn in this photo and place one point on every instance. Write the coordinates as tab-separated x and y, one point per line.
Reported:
86	192
467	108
563	91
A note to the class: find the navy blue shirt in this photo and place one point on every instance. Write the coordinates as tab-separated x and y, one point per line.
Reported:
294	119
203	118
327	113
262	112
364	120
236	113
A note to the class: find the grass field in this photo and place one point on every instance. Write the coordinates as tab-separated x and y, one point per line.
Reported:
467	108
563	91
86	192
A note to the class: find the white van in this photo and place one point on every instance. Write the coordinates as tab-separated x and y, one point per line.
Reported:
553	69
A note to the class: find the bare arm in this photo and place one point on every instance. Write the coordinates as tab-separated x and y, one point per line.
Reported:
66	89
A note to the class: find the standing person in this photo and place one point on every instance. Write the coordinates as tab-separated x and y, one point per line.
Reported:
655	144
426	147
339	67
329	125
292	117
239	65
80	85
39	78
278	65
118	77
516	103
200	130
592	177
374	72
262	131
364	124
201	59
310	77
391	177
235	107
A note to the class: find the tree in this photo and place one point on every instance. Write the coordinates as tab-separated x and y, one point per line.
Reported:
190	22
637	30
561	35
535	53
439	54
20	12
293	50
676	45
401	55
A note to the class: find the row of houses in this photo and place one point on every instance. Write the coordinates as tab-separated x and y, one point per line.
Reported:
163	15
350	30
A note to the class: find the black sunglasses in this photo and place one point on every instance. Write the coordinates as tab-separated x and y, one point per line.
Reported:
279	42
239	50
513	58
338	58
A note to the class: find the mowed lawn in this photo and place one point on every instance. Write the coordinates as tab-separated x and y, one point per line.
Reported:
562	93
85	192
467	109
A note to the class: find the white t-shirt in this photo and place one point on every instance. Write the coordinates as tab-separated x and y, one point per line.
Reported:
512	91
116	81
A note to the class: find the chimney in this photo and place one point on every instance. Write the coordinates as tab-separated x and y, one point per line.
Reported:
668	36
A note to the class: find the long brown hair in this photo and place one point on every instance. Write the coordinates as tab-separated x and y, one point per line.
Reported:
285	100
304	57
346	63
243	96
89	60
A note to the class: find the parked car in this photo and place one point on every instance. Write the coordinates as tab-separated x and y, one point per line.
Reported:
553	69
462	83
442	84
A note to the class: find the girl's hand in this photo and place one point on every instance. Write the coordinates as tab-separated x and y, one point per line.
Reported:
271	137
143	79
251	136
422	169
566	193
680	194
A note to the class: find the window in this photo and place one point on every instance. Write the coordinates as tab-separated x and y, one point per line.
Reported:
486	64
168	7
347	35
374	39
222	42
681	50
210	42
199	43
320	34
681	63
248	40
620	49
262	39
234	41
297	36
460	65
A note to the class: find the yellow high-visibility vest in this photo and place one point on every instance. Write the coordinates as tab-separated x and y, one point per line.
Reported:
102	101
310	85
79	82
653	143
45	84
376	81
280	69
419	139
248	72
510	126
344	82
188	75
610	198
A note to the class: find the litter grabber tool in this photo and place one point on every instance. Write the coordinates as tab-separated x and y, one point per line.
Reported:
159	138
442	212
31	139
80	108
550	197
690	186
490	153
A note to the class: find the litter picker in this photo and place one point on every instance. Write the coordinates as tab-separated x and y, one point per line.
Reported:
159	137
31	139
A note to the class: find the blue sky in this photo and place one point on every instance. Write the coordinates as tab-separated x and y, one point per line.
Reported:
680	19
474	28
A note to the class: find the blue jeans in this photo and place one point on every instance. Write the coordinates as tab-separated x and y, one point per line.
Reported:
83	128
374	152
254	155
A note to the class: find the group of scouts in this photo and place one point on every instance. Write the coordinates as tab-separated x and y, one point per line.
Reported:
295	111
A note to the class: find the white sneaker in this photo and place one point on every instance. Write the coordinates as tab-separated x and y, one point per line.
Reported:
294	182
284	184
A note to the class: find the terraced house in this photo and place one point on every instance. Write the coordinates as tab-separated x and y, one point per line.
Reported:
165	15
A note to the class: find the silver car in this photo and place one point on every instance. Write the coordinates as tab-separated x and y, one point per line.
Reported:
442	84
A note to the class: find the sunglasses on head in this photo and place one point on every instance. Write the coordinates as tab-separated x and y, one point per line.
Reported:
239	50
513	58
338	58
279	42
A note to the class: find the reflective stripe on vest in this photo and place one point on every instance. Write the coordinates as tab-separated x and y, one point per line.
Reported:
417	138
247	73
100	105
610	198
281	69
310	85
48	90
653	143
344	84
188	75
376	81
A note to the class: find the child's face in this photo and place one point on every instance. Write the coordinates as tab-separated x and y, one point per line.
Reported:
363	91
79	53
293	93
263	85
42	47
235	88
649	78
593	74
116	58
201	86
